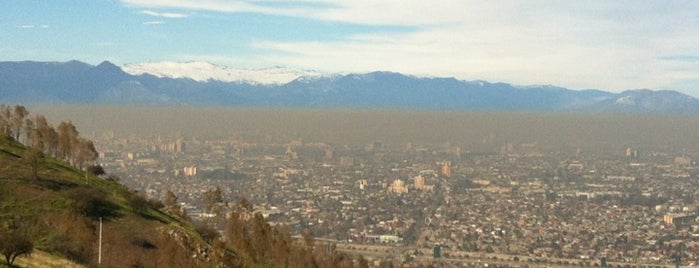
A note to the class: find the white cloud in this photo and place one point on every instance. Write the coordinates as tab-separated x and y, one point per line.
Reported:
613	45
164	14
32	26
154	22
517	57
211	5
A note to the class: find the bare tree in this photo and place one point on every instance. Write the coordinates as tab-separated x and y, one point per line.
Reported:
211	198
5	115
83	153
170	200
17	120
47	135
14	244
28	131
67	137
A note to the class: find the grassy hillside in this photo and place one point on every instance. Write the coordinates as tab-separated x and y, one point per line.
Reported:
60	210
43	259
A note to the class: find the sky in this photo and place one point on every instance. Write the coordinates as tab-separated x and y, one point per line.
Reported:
605	44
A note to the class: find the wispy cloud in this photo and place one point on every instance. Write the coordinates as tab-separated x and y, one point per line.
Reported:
164	14
613	45
682	58
154	22
32	26
299	8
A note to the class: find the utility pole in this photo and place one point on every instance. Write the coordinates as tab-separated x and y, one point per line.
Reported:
99	256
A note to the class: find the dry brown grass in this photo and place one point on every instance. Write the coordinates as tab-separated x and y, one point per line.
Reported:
43	259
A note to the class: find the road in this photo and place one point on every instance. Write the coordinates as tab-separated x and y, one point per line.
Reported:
464	258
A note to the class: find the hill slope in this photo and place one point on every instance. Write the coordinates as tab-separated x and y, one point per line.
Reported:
51	206
61	209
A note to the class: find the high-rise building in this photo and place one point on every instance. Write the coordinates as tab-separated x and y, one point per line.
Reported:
446	169
180	146
362	184
190	171
419	182
683	160
677	218
398	187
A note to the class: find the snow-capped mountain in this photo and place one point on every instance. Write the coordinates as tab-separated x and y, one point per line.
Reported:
204	71
106	83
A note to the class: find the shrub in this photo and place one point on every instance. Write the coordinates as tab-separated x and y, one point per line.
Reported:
141	204
138	202
207	232
92	203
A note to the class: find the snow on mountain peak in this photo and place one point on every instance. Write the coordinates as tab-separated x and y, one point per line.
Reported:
204	71
626	100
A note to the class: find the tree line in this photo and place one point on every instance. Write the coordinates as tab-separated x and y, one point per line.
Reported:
251	241
256	243
63	142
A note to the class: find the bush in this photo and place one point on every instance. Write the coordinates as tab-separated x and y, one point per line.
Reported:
71	249
92	203
143	243
138	202
207	232
96	170
141	204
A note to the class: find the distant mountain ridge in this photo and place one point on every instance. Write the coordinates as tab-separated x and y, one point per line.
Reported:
204	71
75	82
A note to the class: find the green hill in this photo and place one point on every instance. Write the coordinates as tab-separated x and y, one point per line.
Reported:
59	210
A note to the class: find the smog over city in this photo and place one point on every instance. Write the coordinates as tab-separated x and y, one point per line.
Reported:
480	132
333	133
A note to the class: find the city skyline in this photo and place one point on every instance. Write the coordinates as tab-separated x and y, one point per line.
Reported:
602	45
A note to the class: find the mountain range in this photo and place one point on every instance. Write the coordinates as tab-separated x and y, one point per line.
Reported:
204	71
201	84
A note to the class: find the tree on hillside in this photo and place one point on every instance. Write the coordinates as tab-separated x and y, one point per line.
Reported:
65	144
92	202
17	120
5	115
28	131
67	137
33	159
308	239
139	203
14	244
259	244
84	153
170	200
46	136
211	198
237	237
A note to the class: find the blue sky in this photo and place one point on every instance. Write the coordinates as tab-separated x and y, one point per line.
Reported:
609	45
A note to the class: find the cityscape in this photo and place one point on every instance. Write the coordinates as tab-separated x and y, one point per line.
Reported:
349	134
509	203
